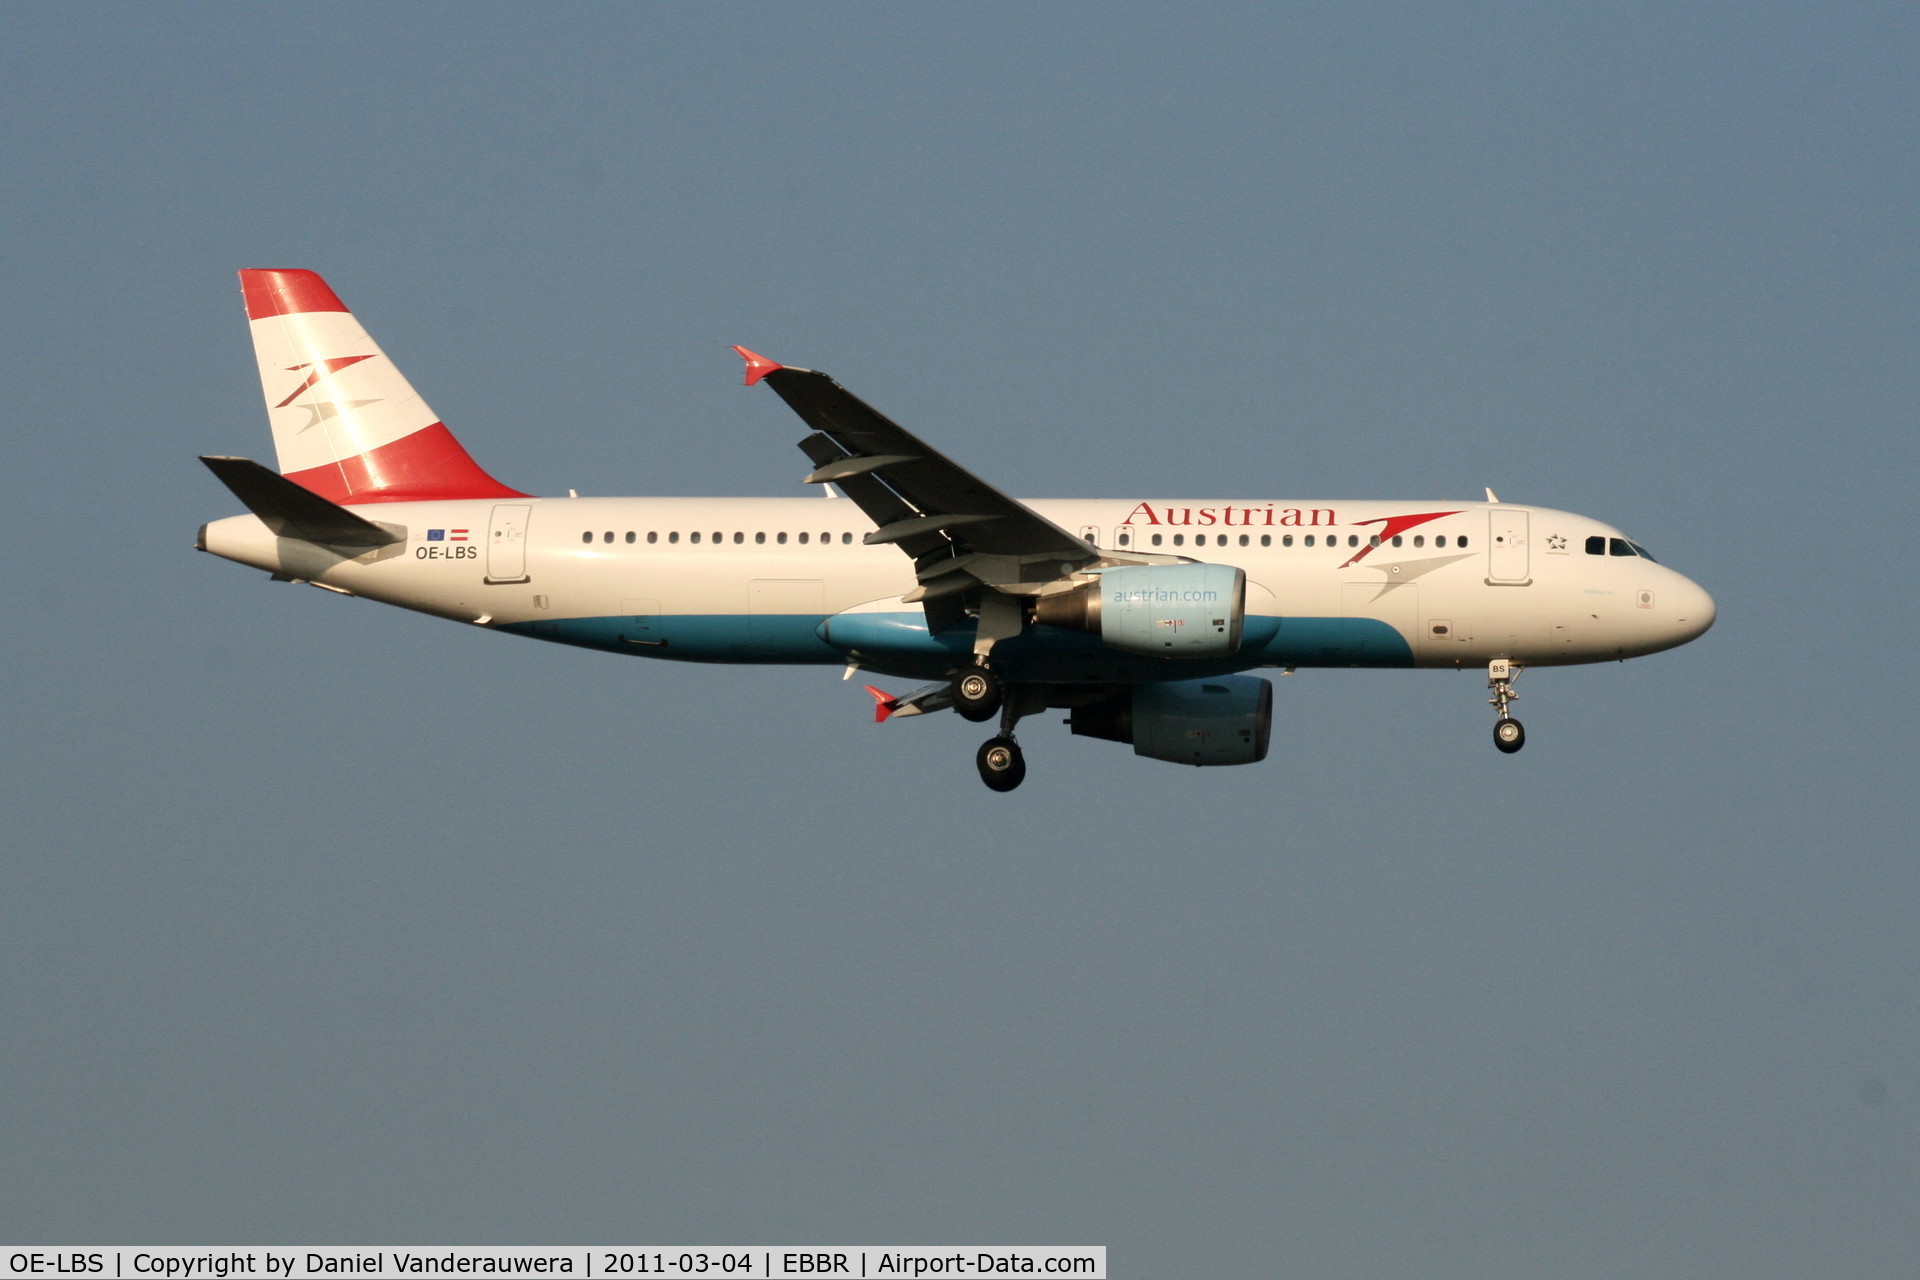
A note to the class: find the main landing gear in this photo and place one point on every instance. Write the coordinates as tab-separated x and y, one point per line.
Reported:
976	693
1508	734
1002	765
976	696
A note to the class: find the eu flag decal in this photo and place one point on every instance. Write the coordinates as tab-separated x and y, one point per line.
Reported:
436	535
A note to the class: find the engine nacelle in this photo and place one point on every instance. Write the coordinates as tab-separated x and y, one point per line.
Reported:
1158	610
1223	720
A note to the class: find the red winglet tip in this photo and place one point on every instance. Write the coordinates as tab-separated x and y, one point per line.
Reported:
758	366
883	703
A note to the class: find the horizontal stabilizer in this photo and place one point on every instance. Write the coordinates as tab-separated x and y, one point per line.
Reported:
293	512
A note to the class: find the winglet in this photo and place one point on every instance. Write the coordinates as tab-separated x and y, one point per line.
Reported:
883	703
758	366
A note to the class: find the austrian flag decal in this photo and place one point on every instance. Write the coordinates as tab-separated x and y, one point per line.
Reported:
446	535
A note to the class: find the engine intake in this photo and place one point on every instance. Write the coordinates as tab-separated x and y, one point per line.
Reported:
1223	720
1158	610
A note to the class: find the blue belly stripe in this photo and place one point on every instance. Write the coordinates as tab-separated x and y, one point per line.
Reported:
898	644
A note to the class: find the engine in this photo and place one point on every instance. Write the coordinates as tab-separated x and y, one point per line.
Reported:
1159	610
1224	720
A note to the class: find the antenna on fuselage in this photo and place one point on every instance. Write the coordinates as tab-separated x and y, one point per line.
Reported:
1491	496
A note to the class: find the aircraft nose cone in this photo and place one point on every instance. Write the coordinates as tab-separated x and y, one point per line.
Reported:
1696	610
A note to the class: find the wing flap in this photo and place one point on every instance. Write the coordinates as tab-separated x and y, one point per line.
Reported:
843	467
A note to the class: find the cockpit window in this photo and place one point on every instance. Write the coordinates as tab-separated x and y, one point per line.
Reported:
1623	547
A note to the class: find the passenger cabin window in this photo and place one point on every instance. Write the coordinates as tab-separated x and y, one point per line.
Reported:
630	537
674	536
608	537
653	535
1156	539
1396	540
587	536
1440	541
1125	539
693	537
1266	539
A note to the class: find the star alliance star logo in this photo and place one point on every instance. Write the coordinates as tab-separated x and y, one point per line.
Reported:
1556	543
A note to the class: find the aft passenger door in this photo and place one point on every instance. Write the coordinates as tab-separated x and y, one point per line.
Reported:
507	544
1507	546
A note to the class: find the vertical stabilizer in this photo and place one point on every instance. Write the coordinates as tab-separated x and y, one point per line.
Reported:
346	424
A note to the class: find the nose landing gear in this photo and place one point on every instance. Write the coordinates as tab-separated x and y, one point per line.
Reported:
1508	734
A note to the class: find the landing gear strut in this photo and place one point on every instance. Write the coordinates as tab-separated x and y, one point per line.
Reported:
976	690
1508	734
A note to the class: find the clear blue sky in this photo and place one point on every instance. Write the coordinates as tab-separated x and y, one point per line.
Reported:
322	921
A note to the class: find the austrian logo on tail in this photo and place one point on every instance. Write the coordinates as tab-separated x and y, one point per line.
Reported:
322	410
320	370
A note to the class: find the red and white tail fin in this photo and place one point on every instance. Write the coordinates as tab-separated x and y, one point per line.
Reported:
346	424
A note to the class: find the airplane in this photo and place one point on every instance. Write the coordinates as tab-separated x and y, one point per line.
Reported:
1140	616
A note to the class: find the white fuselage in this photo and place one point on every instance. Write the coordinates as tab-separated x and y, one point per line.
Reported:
789	580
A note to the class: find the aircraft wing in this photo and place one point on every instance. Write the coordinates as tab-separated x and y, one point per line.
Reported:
929	505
